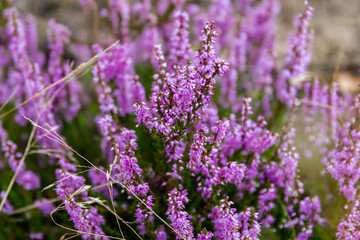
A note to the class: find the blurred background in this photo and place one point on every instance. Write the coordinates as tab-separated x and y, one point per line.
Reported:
336	24
337	30
336	57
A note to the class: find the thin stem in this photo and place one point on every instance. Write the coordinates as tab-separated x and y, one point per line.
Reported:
18	168
66	79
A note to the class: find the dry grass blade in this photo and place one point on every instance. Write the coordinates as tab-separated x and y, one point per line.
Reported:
110	188
74	230
53	200
75	235
45	151
117	217
316	104
63	237
8	100
32	134
338	63
63	143
64	79
308	76
33	206
57	182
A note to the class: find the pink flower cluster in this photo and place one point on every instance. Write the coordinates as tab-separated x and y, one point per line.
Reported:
190	145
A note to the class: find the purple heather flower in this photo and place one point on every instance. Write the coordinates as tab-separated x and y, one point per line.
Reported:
231	225
249	227
26	178
161	233
233	173
29	180
68	100
118	89
205	235
298	56
115	68
7	207
146	41
197	139
196	162
86	220
32	40
348	228
229	89
15	29
28	72
309	211
36	236
87	5
342	165
180	48
142	214
225	221
248	135
220	11
333	102
126	170
265	204
118	9
180	220
261	35
99	178
45	206
289	163
58	35
178	96
142	9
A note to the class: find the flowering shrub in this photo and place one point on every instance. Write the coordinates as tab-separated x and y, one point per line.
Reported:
182	126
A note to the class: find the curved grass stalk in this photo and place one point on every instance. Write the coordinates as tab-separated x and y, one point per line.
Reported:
56	137
65	79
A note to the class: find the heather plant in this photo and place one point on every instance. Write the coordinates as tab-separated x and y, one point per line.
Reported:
182	126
